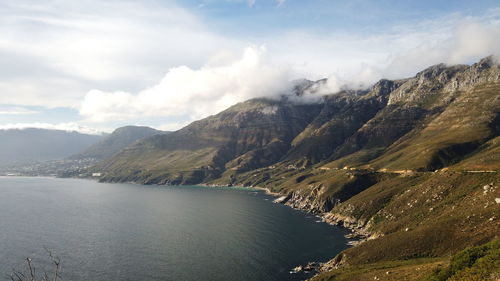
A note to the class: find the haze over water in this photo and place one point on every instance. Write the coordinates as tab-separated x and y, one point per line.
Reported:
131	232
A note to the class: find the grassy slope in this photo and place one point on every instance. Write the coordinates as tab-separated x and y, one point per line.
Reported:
116	141
425	215
463	126
487	157
472	264
419	215
414	269
247	135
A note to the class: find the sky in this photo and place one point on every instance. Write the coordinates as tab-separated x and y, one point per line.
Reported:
95	65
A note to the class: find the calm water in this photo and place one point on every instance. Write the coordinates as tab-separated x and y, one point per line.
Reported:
130	232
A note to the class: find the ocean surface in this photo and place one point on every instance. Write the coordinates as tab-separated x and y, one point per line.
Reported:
131	232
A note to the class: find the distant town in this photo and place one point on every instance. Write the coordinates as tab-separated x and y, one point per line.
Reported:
52	168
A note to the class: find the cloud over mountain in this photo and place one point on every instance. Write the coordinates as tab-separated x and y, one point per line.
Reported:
68	127
192	92
131	52
225	80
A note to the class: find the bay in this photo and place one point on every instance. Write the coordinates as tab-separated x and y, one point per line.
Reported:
180	233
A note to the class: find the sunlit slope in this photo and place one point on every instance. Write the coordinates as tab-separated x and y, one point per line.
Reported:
238	138
444	117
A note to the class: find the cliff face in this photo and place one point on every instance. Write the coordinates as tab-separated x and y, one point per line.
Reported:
396	162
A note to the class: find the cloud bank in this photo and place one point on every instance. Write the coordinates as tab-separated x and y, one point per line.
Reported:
68	127
225	81
53	52
155	59
196	93
16	111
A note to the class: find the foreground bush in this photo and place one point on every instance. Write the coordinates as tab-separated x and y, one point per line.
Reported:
476	263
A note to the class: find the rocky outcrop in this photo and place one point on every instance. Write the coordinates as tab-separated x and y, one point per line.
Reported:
485	71
310	202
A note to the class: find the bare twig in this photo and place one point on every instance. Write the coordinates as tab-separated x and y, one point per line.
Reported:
32	269
32	276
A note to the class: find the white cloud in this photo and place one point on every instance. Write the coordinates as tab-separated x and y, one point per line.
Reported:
16	111
315	92
196	93
474	40
466	43
54	52
172	126
58	50
69	127
357	62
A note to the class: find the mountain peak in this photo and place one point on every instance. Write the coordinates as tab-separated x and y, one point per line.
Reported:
486	63
347	127
116	141
431	72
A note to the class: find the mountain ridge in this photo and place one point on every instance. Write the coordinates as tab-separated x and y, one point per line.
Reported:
344	128
116	141
414	159
25	146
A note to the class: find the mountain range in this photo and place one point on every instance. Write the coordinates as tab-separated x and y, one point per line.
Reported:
25	146
42	152
445	116
116	141
410	165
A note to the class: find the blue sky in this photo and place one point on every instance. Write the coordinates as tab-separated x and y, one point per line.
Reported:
360	16
95	65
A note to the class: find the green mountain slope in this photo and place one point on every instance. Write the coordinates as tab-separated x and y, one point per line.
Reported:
438	118
246	136
411	165
116	141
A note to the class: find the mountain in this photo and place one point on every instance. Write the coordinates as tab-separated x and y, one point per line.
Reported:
116	141
442	116
410	165
20	147
246	136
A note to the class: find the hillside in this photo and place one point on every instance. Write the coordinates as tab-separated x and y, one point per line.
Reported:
246	136
411	165
116	141
444	116
21	147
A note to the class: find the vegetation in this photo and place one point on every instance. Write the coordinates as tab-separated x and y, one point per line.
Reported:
479	263
116	141
32	274
415	269
475	263
411	164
